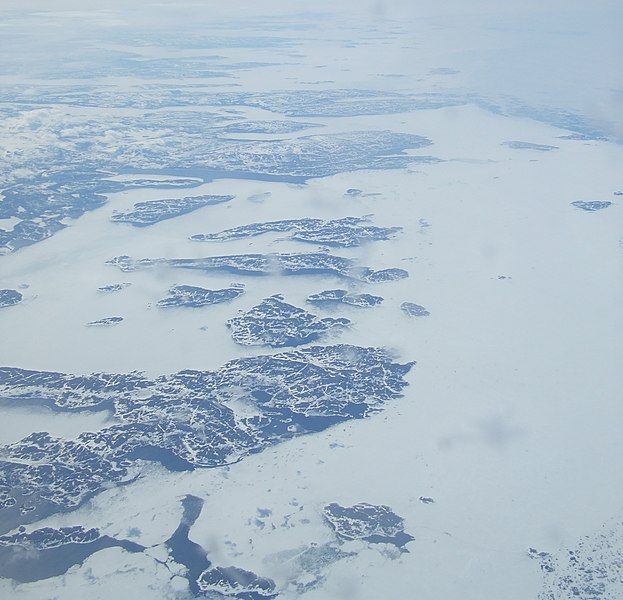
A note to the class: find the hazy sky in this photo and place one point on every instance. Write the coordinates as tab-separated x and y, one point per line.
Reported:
554	53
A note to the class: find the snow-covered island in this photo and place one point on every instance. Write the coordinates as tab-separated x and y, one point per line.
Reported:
277	324
194	296
154	211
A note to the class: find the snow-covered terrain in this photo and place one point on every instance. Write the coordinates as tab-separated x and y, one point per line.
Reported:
319	304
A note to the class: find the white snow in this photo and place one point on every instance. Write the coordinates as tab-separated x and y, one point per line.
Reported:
512	419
